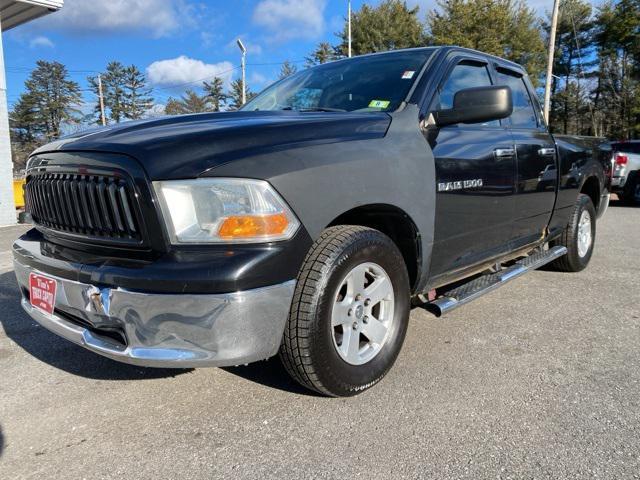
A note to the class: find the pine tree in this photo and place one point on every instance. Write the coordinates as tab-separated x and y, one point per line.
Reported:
50	100
49	103
114	93
617	94
23	130
235	95
190	102
137	95
506	28
173	107
287	69
323	53
388	26
215	94
569	62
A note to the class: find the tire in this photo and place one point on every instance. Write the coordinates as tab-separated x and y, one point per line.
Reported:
315	351
577	257
630	193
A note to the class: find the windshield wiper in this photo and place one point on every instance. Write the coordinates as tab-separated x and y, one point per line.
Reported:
315	109
322	109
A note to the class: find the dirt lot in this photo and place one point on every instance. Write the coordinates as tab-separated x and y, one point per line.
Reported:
540	379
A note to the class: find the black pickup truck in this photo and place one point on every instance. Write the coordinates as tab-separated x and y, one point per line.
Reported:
311	221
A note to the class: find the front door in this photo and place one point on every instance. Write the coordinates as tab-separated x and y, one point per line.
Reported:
475	180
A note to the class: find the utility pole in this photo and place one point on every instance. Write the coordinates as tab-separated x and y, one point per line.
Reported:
349	27
243	49
102	116
552	49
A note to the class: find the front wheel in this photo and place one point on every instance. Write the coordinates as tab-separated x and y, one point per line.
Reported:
349	313
579	237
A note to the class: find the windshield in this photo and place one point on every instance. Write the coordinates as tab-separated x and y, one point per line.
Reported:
373	83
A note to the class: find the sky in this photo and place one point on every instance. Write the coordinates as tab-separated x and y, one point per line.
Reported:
179	43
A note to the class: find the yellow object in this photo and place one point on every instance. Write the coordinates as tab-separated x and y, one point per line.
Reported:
379	103
18	193
239	226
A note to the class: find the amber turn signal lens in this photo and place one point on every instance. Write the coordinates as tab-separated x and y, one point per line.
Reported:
247	226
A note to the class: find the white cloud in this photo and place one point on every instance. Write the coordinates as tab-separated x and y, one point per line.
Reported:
257	79
155	17
289	19
184	70
41	41
207	39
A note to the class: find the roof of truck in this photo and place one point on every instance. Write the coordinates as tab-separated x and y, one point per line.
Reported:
447	48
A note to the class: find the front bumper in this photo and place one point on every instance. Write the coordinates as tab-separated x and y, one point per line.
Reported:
166	330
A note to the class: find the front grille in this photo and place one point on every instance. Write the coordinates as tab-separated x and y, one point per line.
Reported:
98	206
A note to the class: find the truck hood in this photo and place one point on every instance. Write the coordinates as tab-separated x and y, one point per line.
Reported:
189	145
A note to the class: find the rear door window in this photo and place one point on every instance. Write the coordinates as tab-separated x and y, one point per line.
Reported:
523	115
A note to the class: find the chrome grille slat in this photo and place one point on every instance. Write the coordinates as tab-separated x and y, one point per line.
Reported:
99	206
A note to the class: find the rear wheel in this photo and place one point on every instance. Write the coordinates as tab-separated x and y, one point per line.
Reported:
349	313
578	237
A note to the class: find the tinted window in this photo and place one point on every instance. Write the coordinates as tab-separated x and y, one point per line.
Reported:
463	75
627	147
371	83
523	115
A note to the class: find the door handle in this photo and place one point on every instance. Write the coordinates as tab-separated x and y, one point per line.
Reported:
547	152
504	152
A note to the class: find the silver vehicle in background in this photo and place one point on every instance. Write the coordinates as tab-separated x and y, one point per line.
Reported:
626	171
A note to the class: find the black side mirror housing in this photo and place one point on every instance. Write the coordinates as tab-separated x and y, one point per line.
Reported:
475	105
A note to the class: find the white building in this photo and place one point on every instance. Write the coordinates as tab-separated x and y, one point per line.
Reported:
12	14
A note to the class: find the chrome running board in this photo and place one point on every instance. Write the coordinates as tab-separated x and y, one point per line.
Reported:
489	282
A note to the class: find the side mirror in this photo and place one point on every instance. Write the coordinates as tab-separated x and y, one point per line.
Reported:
475	105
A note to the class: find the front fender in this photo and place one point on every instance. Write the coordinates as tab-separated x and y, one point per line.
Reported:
320	182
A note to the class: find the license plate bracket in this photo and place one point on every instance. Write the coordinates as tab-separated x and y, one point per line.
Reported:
42	292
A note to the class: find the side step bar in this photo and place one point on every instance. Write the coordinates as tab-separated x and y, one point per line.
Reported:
489	282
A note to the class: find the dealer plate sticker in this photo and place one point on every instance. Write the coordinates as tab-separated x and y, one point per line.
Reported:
379	103
42	292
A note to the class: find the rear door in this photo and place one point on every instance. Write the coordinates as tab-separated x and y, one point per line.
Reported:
537	173
475	178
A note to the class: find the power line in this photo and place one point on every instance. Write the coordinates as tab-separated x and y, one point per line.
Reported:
274	63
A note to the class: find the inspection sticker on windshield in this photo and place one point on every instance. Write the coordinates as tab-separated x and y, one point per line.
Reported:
408	75
42	292
379	103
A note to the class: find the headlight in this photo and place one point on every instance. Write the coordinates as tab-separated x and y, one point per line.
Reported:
224	210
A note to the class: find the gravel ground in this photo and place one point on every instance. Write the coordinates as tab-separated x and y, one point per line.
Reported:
540	379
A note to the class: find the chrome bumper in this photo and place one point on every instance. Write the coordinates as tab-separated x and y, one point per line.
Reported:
166	330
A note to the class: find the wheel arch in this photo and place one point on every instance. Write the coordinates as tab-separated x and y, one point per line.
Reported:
396	224
591	188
